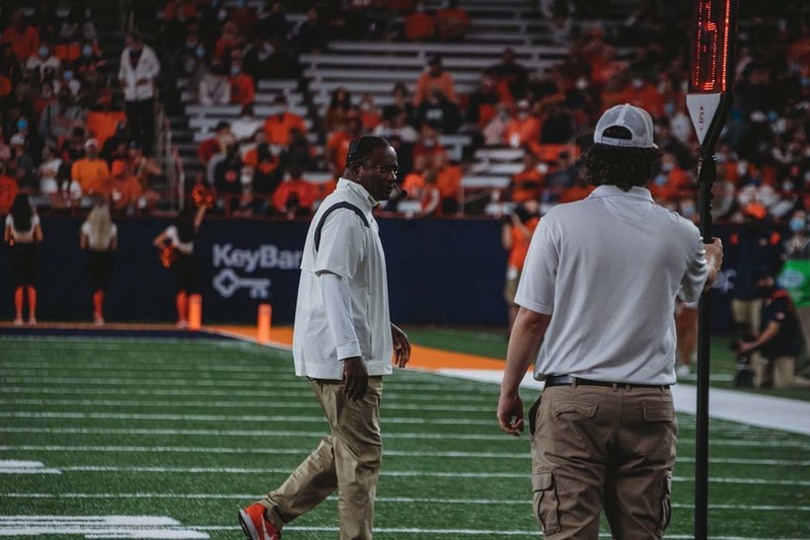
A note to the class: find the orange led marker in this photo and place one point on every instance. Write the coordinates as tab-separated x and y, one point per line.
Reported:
264	322
194	312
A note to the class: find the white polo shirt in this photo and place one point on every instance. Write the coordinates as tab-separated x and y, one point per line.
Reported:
354	252
608	269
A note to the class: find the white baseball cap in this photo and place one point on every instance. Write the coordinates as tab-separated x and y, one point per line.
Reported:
17	139
634	120
91	142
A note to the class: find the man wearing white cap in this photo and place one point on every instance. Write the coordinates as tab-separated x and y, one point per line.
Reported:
91	172
596	298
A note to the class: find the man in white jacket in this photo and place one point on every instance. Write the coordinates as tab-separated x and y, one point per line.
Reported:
139	69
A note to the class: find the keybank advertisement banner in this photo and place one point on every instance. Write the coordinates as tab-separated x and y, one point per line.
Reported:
245	263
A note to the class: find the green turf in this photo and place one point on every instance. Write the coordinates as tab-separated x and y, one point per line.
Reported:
194	430
492	343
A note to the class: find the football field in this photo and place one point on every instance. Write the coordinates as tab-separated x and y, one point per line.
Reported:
137	438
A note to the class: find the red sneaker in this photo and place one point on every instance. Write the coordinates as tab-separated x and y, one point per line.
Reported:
255	525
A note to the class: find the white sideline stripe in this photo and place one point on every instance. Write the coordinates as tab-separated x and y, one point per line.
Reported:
141	527
235	418
268	394
765	443
11	466
745	408
309	404
391	453
408	500
406	474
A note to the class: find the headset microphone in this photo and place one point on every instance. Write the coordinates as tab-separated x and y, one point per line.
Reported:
402	193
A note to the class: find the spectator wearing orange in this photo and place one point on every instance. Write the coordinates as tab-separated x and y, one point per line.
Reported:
23	37
91	172
435	78
102	123
523	128
294	197
125	189
8	189
419	25
337	146
421	186
671	182
429	151
452	22
369	112
528	183
229	40
242	86
185	10
448	182
213	146
643	93
278	125
516	236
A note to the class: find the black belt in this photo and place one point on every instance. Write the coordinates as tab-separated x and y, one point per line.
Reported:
568	380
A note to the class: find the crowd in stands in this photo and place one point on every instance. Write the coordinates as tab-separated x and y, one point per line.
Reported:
73	128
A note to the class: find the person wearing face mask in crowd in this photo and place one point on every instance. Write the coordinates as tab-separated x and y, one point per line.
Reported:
215	87
44	58
242	86
137	74
278	125
779	339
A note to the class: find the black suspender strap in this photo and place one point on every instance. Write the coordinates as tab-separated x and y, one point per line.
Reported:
338	206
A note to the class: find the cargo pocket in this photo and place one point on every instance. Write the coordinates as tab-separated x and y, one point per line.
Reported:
546	503
666	503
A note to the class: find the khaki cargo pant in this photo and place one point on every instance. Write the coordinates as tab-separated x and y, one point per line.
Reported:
602	448
348	461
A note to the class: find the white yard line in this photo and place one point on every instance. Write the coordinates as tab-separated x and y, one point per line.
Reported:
439	435
391	473
297	451
383	500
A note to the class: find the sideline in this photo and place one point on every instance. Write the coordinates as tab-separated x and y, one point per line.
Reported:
755	410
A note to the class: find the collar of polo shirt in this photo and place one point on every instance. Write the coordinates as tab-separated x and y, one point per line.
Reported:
359	191
613	191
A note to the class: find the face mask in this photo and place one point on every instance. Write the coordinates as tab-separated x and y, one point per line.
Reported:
688	211
660	180
22	124
667	166
669	108
68	75
638	83
43	52
200	52
796	224
87	50
235	70
805	82
222	15
787	186
582	84
742	168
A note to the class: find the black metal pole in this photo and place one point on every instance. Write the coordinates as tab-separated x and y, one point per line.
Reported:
707	174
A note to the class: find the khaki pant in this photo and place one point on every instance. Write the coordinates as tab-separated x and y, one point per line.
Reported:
602	448
348	460
779	372
749	313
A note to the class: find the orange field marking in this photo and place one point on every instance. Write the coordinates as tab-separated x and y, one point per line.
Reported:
421	357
